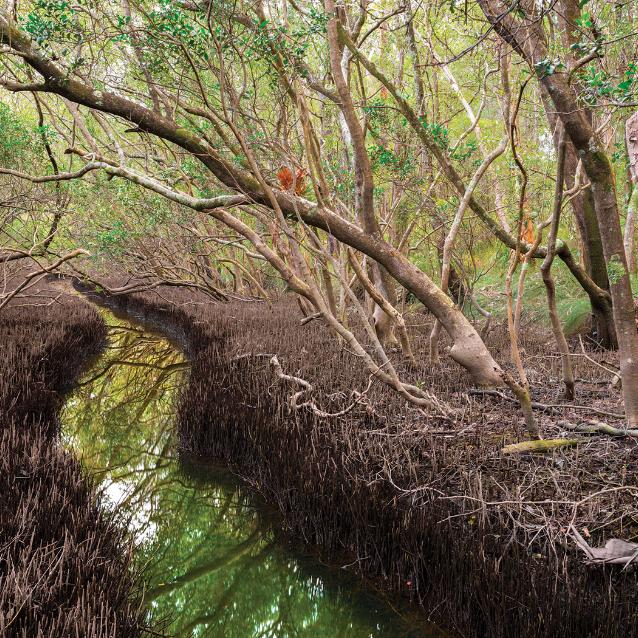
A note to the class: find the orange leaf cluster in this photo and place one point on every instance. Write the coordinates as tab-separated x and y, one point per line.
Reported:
527	234
286	181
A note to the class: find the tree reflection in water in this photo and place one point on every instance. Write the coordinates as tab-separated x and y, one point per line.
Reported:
205	545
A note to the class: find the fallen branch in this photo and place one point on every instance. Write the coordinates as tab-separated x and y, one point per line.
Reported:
539	445
597	427
548	406
589	427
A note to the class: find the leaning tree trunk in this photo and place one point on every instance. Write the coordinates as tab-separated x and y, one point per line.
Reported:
468	348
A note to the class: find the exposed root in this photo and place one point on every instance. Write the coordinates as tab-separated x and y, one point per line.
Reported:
359	397
416	506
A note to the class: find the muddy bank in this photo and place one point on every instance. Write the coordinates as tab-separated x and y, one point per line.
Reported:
64	564
425	507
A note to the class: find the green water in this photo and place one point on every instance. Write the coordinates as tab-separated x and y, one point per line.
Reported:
212	564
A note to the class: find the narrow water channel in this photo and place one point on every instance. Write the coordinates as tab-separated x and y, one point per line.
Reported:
210	559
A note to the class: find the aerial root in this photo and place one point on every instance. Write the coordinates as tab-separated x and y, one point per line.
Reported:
359	397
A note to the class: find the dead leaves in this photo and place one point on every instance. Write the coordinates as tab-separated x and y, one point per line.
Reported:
288	182
615	552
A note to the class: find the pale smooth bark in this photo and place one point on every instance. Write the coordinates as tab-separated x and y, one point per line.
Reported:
468	348
548	280
450	239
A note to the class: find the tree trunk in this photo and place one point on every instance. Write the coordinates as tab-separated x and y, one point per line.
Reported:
468	349
603	330
631	140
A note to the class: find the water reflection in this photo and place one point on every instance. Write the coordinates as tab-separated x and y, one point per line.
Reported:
206	546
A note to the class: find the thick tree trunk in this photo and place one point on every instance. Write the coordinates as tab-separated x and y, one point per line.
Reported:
603	330
631	141
454	178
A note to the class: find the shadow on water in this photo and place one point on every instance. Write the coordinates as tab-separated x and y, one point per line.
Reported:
207	546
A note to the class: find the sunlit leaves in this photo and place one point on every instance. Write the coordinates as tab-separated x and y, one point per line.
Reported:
599	84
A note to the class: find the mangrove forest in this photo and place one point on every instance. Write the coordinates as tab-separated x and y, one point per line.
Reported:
318	318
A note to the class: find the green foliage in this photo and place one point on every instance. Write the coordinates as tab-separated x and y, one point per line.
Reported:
585	21
16	139
47	133
438	132
548	67
382	157
122	22
599	84
283	46
52	21
111	241
317	22
376	111
619	154
575	314
615	269
464	151
169	19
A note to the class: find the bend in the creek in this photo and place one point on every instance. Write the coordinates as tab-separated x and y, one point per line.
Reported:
205	545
